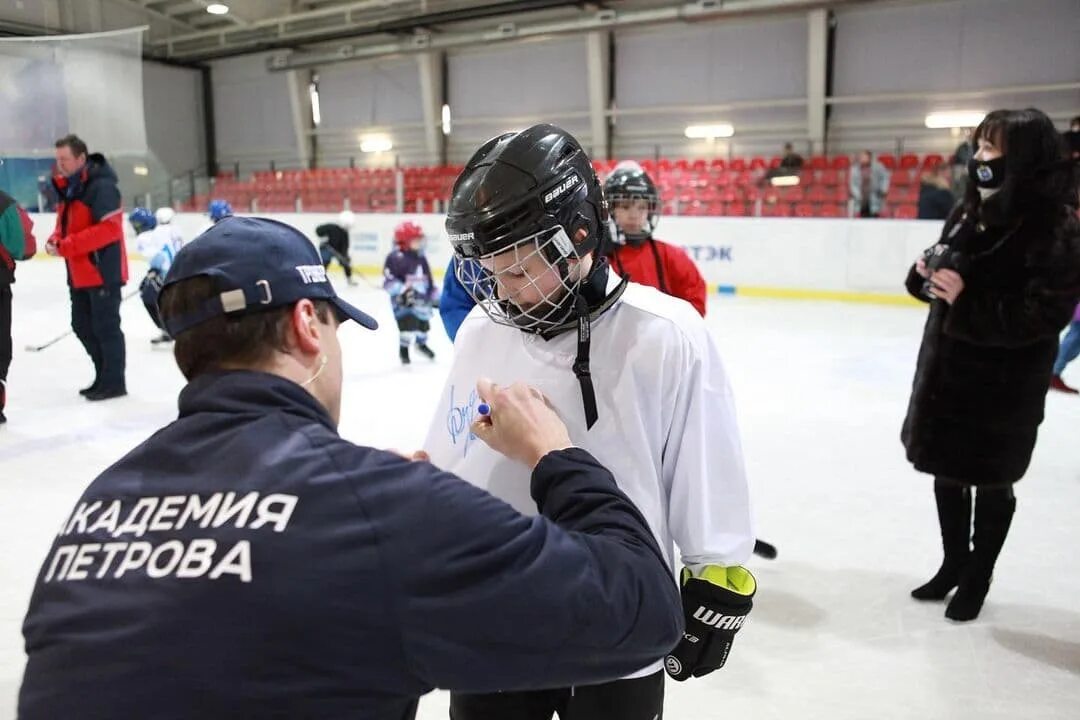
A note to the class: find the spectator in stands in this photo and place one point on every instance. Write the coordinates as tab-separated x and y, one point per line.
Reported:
960	159
791	163
869	184
791	160
935	195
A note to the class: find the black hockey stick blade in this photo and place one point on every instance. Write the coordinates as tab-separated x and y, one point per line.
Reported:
764	549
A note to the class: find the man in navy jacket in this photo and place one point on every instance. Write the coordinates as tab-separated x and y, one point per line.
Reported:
246	561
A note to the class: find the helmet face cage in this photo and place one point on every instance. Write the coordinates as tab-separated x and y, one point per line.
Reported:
621	197
538	265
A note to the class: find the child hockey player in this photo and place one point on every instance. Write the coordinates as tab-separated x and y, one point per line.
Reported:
407	277
334	243
634	253
158	241
633	372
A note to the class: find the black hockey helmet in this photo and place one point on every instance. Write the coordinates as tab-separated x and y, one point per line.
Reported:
530	193
519	185
627	183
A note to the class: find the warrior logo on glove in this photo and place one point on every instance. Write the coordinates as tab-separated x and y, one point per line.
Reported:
716	604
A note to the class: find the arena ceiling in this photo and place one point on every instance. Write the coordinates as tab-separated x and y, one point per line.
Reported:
310	31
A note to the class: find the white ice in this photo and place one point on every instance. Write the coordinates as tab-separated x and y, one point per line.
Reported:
822	390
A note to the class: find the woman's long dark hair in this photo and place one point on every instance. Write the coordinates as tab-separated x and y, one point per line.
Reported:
1039	181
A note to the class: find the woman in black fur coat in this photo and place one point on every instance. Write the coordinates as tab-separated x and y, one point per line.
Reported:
1001	283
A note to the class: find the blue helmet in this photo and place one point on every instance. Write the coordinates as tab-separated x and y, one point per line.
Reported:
219	210
142	220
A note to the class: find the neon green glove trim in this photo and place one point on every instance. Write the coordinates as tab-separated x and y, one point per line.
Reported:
736	578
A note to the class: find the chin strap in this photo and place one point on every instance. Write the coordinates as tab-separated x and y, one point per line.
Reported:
581	362
594	286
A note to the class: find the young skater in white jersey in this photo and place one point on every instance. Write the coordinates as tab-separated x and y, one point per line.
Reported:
632	372
157	240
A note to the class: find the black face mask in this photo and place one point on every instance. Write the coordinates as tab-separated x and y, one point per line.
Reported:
988	174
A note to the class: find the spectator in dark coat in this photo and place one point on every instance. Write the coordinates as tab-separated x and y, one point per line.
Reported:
1002	283
935	198
791	159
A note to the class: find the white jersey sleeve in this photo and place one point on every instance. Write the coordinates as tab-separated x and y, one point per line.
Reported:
709	512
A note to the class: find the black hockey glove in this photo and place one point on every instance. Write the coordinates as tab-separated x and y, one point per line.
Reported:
407	298
154	280
716	604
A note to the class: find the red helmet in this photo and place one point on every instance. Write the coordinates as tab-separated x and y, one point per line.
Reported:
405	233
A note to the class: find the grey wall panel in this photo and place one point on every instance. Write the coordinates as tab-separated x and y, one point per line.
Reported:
522	79
174	117
252	111
353	95
960	45
712	63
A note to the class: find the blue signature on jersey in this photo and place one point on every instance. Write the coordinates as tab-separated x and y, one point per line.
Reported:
459	418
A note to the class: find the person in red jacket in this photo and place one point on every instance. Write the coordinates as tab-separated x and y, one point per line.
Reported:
89	235
635	206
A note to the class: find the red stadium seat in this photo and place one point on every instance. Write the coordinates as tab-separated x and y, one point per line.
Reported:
931	161
780	209
902	177
829	177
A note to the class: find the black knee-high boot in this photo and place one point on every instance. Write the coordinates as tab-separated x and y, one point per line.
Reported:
994	508
954	516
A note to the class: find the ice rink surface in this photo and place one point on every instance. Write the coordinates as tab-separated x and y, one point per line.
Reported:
821	389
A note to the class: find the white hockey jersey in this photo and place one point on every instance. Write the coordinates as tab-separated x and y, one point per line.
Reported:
667	428
159	246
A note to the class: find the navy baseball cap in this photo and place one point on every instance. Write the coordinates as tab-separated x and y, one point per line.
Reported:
259	264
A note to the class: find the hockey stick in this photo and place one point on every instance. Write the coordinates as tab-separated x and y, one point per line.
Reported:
346	264
58	338
764	549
